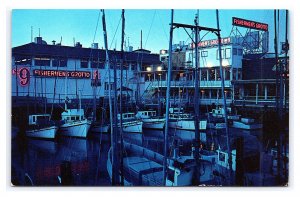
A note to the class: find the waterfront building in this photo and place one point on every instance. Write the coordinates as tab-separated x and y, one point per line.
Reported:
54	72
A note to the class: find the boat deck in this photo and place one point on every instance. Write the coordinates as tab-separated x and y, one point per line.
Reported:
142	171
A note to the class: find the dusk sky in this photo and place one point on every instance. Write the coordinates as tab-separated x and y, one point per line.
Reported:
81	25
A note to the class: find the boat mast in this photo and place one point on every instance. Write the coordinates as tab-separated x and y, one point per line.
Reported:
114	167
168	100
121	100
223	95
196	103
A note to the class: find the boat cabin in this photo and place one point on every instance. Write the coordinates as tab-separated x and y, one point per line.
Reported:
223	159
73	115
126	116
180	116
37	119
146	114
175	110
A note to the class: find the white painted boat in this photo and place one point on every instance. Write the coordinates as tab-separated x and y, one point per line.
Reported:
185	121
151	120
47	132
39	126
75	124
130	124
144	167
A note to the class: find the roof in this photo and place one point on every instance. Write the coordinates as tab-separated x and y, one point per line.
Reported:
81	53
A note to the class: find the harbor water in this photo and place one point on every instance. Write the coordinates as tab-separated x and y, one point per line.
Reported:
44	162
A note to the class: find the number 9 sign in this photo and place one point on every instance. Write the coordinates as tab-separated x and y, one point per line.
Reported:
24	76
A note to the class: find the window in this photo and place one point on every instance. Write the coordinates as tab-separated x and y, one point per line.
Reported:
222	53
191	55
203	75
59	62
211	74
84	63
22	60
218	76
234	51
106	87
240	52
96	64
239	74
227	53
234	74
204	53
42	61
227	73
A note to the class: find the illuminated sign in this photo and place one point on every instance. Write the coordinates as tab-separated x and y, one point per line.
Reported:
249	24
23	74
211	43
61	73
96	78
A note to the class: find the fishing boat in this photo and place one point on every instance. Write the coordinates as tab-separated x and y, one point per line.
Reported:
151	120
183	125
130	123
216	118
75	125
40	126
144	167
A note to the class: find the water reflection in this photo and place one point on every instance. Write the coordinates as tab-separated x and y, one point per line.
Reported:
41	160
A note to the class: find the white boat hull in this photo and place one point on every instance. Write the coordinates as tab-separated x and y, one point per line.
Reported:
132	127
47	133
153	123
75	129
187	125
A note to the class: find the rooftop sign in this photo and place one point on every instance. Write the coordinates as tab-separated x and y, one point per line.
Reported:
211	43
249	24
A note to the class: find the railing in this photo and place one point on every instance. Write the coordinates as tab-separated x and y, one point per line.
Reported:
190	84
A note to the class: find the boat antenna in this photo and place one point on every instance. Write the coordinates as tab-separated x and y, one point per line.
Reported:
168	100
141	39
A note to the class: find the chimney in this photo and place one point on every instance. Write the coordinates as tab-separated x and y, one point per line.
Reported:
94	46
78	45
38	40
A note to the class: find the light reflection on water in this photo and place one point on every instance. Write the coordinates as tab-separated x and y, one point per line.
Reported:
41	160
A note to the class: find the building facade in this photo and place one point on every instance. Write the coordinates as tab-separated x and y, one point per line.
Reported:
57	73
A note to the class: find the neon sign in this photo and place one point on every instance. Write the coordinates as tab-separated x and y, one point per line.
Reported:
61	73
23	75
249	24
210	43
96	78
